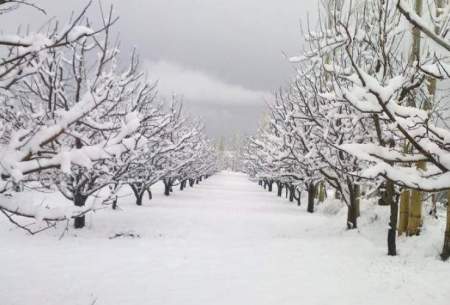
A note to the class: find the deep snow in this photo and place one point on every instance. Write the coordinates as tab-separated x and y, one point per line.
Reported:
226	241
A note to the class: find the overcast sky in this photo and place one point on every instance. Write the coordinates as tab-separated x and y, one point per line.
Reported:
225	57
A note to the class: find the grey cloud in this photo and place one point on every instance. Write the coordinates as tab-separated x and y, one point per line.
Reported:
227	44
198	87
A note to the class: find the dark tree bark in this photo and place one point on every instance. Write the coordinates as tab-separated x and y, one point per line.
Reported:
353	208
139	198
115	199
384	200
291	193
79	200
299	198
168	186
392	232
311	196
138	191
150	195
166	190
446	249
114	203
279	188
270	184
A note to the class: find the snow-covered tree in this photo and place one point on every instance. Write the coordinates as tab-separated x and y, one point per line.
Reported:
62	115
360	110
75	115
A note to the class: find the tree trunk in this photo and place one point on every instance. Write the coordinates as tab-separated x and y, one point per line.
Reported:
279	188
433	212
352	222
150	195
299	198
114	203
139	198
191	182
404	211
446	249
384	201
353	209
138	192
115	198
393	202
415	214
167	188
415	209
270	184
358	200
291	193
311	196
415	55
79	201
322	192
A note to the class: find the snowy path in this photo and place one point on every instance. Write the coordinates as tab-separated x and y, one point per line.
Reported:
224	242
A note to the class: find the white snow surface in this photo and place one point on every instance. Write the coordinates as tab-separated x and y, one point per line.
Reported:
226	241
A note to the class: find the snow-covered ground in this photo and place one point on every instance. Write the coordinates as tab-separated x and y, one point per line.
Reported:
226	241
